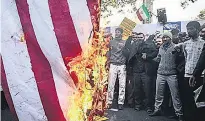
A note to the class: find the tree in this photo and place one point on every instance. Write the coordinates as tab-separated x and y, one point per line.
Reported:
107	4
201	14
186	3
111	7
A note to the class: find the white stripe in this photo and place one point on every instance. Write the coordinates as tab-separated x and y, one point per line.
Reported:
43	28
142	13
82	20
20	77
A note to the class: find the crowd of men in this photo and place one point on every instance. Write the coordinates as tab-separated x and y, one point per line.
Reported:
146	68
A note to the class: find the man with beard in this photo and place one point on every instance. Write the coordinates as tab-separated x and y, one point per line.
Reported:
192	51
202	35
182	37
167	74
202	32
117	67
151	65
175	33
141	54
129	81
158	40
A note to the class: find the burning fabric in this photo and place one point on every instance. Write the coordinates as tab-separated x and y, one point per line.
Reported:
89	100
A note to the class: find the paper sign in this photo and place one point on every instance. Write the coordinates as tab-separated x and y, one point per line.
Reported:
127	25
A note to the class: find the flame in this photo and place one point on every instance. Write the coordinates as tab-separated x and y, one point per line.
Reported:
22	38
88	101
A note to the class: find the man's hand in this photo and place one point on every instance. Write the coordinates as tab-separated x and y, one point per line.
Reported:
192	81
144	56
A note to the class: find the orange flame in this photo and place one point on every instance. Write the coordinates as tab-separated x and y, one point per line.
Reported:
88	101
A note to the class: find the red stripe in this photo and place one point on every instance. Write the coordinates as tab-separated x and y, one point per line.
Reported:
65	31
139	16
6	91
40	67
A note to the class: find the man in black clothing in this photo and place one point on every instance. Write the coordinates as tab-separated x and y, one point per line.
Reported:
200	67
129	80
141	54
152	67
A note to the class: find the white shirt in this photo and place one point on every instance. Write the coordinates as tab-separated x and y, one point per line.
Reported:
192	51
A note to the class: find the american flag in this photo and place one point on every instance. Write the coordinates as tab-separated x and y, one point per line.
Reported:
37	37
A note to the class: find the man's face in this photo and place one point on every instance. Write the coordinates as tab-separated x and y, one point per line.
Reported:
118	34
166	39
202	33
159	41
175	40
192	32
134	36
140	37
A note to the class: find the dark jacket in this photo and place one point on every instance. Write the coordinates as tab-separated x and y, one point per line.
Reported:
180	63
152	51
180	60
154	66
135	56
126	52
200	66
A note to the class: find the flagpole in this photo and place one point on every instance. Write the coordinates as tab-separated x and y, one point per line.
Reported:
143	20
